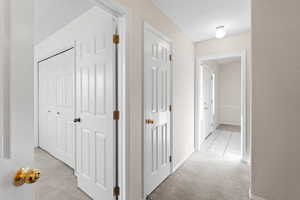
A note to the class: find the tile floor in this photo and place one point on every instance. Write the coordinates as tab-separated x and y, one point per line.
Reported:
225	141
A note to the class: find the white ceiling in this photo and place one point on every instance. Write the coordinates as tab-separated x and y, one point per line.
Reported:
51	15
225	61
199	18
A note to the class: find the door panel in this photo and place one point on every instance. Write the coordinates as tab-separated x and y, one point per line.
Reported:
95	106
65	108
207	102
56	106
157	98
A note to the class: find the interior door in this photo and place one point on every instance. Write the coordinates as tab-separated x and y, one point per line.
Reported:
47	105
94	111
56	106
65	108
44	108
156	110
207	101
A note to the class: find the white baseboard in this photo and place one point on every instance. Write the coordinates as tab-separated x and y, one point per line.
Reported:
181	162
254	197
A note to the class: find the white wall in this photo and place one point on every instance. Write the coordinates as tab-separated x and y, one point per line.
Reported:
16	40
140	11
225	46
276	99
229	98
52	15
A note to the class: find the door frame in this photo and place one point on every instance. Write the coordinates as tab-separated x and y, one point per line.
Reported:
147	26
244	133
122	14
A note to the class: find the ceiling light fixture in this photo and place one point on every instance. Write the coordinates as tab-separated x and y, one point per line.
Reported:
220	32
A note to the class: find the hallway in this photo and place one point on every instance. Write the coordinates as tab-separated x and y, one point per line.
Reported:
214	173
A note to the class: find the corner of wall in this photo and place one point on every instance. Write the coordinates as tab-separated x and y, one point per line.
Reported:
178	165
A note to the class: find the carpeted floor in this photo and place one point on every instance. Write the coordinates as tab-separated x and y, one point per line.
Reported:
57	181
207	175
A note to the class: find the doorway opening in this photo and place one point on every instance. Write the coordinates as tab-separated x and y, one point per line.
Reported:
80	101
220	114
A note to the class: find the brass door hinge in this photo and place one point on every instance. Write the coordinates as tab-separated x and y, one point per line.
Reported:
170	108
116	115
116	38
116	191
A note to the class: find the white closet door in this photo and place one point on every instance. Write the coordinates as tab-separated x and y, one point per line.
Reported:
95	99
65	131
157	143
56	106
44	109
47	106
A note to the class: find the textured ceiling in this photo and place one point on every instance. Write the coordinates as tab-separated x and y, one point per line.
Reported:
199	18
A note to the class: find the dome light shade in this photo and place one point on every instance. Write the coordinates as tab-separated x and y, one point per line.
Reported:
220	32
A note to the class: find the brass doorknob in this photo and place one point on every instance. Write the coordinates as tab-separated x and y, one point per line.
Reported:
26	175
149	121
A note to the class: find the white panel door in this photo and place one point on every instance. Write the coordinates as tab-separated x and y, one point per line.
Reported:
65	108
207	101
44	109
95	105
56	106
157	166
47	105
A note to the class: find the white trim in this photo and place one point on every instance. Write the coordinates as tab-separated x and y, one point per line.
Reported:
123	15
197	106
244	105
147	26
5	142
155	31
255	197
113	7
243	55
228	123
182	162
